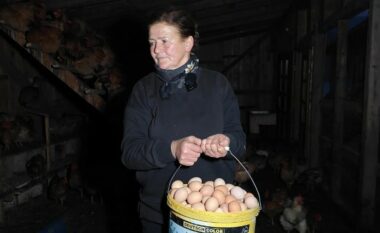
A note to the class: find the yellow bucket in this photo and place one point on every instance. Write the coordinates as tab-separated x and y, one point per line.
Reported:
186	220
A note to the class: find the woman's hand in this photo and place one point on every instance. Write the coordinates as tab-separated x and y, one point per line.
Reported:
214	145
187	150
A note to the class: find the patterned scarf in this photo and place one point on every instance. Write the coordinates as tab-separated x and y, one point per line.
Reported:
175	80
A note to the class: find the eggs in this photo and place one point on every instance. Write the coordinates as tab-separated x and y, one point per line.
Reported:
212	196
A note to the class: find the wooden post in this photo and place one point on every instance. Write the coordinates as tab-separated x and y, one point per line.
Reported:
294	105
314	114
371	125
341	72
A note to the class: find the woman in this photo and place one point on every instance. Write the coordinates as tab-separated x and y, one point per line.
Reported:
180	114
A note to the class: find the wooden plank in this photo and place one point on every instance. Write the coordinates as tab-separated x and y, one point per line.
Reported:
371	123
341	72
245	53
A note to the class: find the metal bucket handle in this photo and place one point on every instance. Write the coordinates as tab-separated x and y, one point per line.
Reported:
240	163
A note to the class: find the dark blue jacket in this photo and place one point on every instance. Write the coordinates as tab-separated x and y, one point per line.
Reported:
152	123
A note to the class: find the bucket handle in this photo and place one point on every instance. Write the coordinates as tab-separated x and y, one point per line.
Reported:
227	148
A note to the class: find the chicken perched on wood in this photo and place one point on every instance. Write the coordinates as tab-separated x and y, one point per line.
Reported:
19	16
294	216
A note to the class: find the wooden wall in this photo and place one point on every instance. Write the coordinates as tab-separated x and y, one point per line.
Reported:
321	82
338	121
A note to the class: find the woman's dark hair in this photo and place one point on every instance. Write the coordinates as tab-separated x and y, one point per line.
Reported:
180	19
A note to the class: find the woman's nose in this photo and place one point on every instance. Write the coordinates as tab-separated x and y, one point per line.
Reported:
157	48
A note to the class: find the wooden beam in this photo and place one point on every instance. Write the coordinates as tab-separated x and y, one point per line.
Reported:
371	123
345	12
234	32
241	15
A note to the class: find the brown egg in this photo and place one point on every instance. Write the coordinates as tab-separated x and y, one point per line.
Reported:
211	204
172	192
229	198
177	184
219	195
194	197
180	195
211	183
206	190
218	210
222	188
224	207
195	185
238	192
248	194
243	206
219	181
204	199
234	206
195	179
230	186
198	206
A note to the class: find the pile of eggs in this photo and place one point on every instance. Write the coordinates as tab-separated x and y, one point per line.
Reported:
212	196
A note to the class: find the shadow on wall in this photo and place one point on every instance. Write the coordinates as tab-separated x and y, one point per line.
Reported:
128	39
102	164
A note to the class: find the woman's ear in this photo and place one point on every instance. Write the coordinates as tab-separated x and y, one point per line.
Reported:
189	43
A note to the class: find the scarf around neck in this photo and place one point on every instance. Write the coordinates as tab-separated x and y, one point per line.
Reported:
175	80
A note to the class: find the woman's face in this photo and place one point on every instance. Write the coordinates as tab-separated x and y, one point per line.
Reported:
167	48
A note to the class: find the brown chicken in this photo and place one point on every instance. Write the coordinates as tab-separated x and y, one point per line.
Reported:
45	38
18	16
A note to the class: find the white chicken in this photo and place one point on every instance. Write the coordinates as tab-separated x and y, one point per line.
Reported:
294	216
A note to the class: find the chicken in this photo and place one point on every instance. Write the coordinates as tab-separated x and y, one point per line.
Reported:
253	163
18	16
45	38
57	189
288	171
274	205
294	216
308	182
74	178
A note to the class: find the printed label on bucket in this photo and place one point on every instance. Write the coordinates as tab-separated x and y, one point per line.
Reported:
179	224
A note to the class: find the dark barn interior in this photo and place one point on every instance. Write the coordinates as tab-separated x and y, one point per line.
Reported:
304	72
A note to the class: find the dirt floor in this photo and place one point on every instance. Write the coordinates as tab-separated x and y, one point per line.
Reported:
81	215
